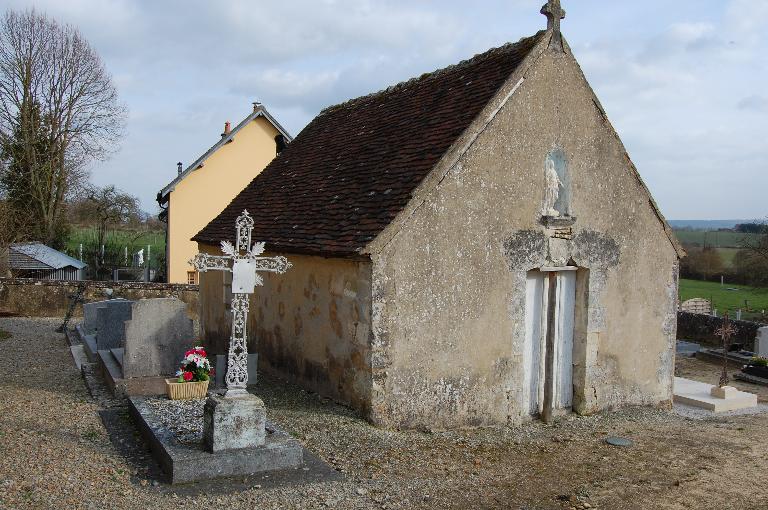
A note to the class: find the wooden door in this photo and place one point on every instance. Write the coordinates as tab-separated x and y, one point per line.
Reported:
534	351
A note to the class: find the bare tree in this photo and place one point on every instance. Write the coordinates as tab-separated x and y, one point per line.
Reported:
108	207
59	111
13	228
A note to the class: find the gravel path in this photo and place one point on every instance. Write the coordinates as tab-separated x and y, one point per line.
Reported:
56	453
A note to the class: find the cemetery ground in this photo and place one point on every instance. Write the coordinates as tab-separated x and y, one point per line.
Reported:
57	453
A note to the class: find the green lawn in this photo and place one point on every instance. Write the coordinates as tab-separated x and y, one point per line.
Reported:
727	297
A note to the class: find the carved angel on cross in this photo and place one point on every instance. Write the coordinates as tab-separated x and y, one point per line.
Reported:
552	185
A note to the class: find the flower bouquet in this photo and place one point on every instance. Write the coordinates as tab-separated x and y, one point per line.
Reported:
192	377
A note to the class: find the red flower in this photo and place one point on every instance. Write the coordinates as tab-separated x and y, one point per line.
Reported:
188	376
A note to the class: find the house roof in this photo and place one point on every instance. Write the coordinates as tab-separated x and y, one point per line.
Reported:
258	111
47	256
355	166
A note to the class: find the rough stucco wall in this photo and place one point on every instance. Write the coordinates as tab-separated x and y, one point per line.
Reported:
50	298
204	193
449	288
310	325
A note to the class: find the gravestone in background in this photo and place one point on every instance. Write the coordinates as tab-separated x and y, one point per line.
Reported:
761	342
110	318
156	337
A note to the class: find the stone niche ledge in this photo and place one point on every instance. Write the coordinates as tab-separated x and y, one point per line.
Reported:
186	463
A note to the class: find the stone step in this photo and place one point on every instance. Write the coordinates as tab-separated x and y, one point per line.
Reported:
112	372
118	354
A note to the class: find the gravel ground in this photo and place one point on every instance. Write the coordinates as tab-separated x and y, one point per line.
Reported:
182	417
56	453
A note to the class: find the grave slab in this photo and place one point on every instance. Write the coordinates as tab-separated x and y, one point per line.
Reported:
687	349
185	463
698	394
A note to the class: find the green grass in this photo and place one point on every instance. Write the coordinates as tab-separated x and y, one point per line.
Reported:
715	239
133	240
4	335
724	299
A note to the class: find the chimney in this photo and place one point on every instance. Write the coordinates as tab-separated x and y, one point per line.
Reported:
178	167
256	106
227	129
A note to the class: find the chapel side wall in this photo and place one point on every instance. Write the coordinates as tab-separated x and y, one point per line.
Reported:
205	192
449	287
310	325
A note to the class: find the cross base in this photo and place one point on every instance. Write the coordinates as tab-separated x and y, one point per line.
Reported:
234	423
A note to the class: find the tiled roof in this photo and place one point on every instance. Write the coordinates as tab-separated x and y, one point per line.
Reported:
355	166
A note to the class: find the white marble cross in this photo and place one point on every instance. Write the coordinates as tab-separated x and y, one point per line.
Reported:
244	268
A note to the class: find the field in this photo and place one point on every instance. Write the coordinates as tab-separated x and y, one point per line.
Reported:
715	239
118	240
727	297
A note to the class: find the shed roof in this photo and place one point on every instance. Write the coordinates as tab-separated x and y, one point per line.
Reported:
48	256
355	166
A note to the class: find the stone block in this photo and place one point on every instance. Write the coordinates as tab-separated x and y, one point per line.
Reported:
234	423
156	337
110	323
724	392
761	342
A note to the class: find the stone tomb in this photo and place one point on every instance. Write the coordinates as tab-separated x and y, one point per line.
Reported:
137	343
711	398
103	325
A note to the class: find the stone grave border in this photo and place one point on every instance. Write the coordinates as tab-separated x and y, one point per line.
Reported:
187	463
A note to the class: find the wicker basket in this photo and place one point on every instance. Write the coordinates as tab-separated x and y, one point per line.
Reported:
186	390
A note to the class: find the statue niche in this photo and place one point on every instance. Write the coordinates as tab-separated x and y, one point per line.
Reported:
557	186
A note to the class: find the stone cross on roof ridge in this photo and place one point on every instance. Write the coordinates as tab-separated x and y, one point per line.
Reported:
554	14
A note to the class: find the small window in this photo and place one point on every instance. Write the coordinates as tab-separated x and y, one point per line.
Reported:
192	277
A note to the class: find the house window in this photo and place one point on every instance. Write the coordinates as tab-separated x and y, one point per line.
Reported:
192	277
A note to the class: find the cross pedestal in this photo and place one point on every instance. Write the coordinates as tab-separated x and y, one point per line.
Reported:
237	420
231	423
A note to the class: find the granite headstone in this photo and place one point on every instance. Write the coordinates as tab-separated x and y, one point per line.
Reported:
111	316
156	337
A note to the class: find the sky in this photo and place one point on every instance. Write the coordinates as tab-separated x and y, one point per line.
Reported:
682	82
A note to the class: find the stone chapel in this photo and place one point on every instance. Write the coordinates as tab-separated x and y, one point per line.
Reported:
470	247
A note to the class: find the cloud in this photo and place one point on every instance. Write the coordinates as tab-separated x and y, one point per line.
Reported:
754	103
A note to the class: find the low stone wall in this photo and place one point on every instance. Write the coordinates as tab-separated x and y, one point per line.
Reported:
50	298
701	328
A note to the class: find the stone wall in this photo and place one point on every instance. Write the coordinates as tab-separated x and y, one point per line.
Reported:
310	325
701	328
50	298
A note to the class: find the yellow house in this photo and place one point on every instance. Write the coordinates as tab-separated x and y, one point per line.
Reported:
200	192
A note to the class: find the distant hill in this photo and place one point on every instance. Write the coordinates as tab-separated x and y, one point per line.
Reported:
708	224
